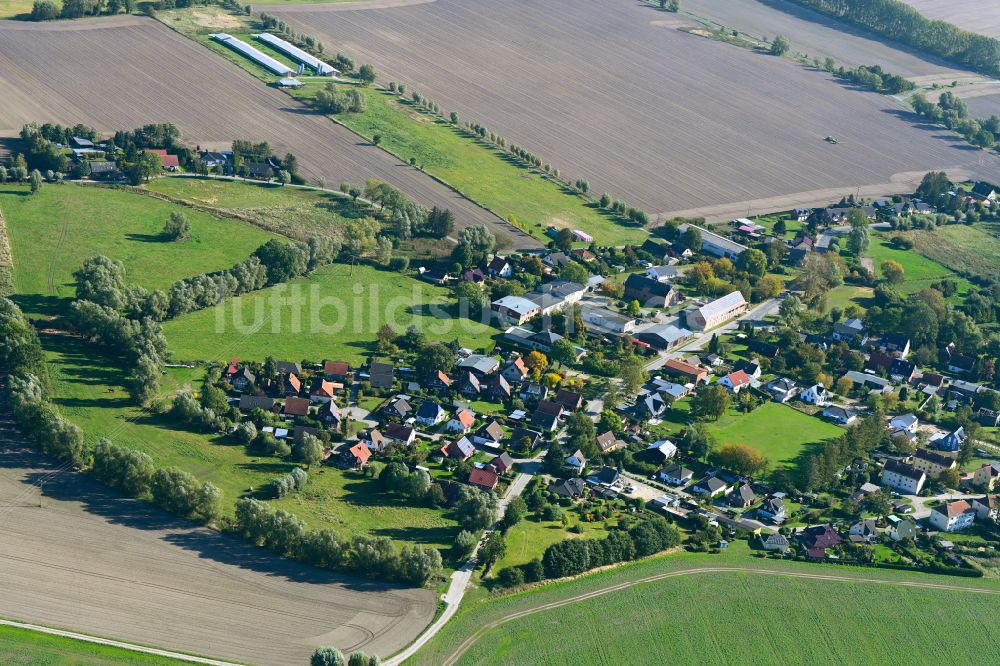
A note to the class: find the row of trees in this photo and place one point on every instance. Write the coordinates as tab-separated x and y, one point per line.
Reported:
898	21
376	557
47	10
953	113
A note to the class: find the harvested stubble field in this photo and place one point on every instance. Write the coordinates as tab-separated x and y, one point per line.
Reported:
122	72
657	117
975	15
816	34
90	561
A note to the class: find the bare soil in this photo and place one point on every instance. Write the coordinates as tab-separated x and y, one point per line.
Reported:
79	557
980	16
122	72
662	119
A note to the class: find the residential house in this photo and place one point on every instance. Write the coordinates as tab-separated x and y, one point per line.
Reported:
661	273
895	344
601	320
543	341
400	434
932	463
556	259
988	417
323	390
570	401
289	368
212	159
607	442
669	390
524	439
430	414
489	434
675	475
486	478
953	516
987	476
864	380
717	312
243	380
606	476
502	464
533	391
742	497
357	456
850	330
815	395
336	370
735	381
459	449
983	191
469	385
820	537
902	370
571	488
663	337
399	408
863	531
169	162
773	509
462	422
375	440
879	362
483	366
987	507
583	254
651	293
381	375
329	413
956	362
291	384
678	368
258	170
662	450
839	415
575	462
953	441
657	250
439	382
774	542
650	406
963	391
902	477
904	422
499	267
296	407
515	371
904	529
301	431
497	389
545	421
782	390
762	348
251	402
711	486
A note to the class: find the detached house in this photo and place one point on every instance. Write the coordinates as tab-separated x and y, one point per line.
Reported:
296	407
468	385
357	455
489	434
952	516
400	434
986	476
430	414
782	390
735	381
399	408
462	422
515	371
607	442
839	415
497	389
460	449
486	478
773	509
711	486
381	374
651	293
575	462
243	380
675	475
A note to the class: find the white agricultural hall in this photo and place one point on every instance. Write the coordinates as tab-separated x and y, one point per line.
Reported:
297	54
258	57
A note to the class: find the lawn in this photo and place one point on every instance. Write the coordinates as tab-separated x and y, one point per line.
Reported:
334	313
973	251
778	431
291	211
53	232
530	537
87	388
721	617
12	8
22	647
919	271
847	294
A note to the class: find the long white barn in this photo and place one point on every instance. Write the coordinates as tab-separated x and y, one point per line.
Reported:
321	68
256	55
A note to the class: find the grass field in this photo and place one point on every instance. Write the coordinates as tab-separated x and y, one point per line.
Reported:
53	232
530	537
12	8
723	617
331	314
88	391
972	251
778	431
920	271
846	294
22	647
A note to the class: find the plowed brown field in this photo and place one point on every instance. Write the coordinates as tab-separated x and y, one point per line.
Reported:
610	92
982	16
122	72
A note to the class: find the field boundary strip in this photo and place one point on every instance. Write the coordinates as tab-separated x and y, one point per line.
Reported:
180	656
489	626
6	261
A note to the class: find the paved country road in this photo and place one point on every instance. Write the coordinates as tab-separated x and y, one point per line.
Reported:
80	557
478	634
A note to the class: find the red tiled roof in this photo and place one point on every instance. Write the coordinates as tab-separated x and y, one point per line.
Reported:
297	406
486	477
466	418
738	378
339	368
325	389
361	452
294	382
168	160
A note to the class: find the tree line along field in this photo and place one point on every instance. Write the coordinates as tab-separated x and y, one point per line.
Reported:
22	647
153	74
973	15
817	35
659	118
722	617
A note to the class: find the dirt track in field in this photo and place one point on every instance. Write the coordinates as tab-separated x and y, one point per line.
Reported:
982	16
122	72
610	92
90	561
